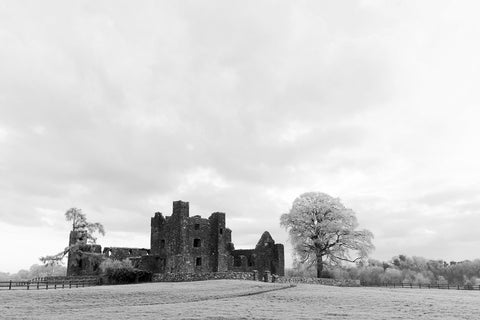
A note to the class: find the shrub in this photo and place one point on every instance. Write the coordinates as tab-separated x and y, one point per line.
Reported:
122	271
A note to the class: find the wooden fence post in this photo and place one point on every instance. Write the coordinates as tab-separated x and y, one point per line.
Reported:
38	284
28	285
10	285
70	284
46	285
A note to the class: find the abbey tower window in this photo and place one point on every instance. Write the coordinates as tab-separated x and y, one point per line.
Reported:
197	243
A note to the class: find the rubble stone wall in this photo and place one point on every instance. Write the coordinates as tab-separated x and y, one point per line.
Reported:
179	277
321	281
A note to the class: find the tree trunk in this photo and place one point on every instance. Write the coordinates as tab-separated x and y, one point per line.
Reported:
319	265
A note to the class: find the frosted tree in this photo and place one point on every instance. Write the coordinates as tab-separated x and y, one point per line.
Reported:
323	232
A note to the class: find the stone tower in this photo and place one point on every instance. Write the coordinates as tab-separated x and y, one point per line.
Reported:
190	244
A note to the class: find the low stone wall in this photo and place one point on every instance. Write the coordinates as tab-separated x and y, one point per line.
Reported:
178	277
321	281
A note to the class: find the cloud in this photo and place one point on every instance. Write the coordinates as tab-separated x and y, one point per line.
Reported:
120	110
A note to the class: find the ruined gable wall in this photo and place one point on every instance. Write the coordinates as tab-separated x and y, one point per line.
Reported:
119	253
266	259
267	256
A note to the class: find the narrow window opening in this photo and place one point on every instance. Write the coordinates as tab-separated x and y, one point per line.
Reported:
162	243
221	231
197	226
197	243
198	261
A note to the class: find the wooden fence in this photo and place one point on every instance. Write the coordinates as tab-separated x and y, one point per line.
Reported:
47	284
424	286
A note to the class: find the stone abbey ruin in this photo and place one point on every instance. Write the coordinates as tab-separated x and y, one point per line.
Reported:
183	244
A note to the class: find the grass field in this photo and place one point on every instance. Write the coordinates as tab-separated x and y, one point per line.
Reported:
235	299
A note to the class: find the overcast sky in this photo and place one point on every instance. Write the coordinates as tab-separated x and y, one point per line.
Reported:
120	108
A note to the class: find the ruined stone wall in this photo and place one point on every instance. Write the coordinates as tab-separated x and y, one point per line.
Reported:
243	260
267	256
321	281
168	238
118	253
279	259
190	244
198	245
183	244
148	263
80	261
219	240
178	277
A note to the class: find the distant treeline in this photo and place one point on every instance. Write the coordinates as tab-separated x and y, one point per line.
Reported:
35	271
401	268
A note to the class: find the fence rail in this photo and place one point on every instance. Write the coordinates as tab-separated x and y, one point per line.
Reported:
47	284
424	286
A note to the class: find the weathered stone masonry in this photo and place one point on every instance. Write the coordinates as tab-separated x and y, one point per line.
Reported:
80	262
183	244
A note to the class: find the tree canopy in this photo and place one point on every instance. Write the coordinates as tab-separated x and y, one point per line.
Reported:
80	223
323	231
